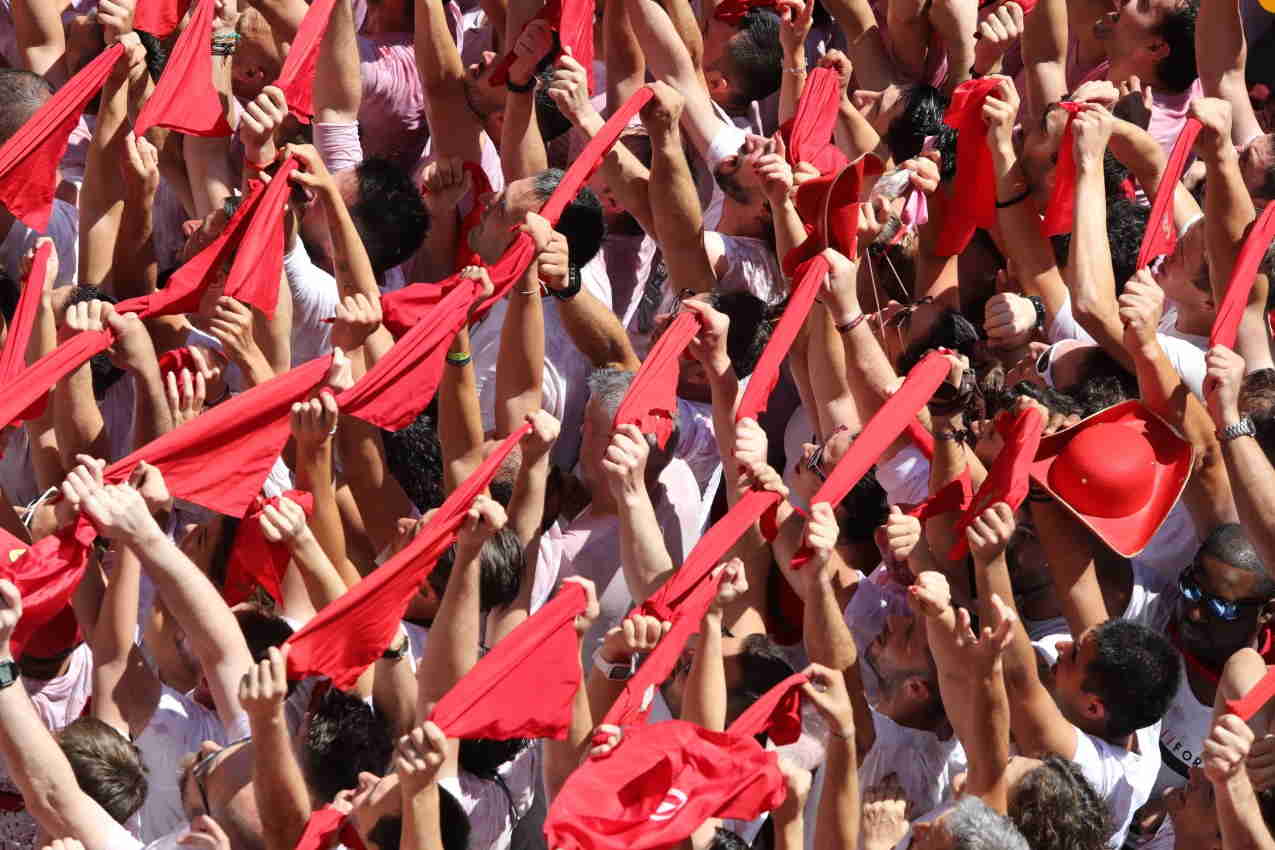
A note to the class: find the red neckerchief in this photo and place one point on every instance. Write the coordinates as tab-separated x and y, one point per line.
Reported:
1214	675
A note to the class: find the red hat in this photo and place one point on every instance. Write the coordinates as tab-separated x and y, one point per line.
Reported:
829	205
1119	472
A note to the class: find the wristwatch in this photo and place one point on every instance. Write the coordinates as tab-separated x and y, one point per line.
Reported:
1040	310
613	671
9	673
1243	428
392	654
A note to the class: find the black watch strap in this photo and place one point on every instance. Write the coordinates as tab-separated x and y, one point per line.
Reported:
572	289
1040	310
9	673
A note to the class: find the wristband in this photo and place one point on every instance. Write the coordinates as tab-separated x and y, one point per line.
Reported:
520	88
846	327
572	289
458	358
1040	310
1020	197
257	166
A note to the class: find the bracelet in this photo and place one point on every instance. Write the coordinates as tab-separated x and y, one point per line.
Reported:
257	166
459	358
572	289
520	88
796	69
846	327
225	44
1021	196
1039	304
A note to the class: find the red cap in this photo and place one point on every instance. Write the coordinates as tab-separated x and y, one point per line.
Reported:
829	205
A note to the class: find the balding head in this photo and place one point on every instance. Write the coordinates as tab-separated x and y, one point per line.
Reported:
21	94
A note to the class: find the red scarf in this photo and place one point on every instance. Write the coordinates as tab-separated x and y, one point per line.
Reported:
184	98
651	402
296	78
572	25
975	185
810	131
13	357
1010	476
159	17
254	560
1060	214
1231	311
734	11
325	828
1161	235
46	573
29	159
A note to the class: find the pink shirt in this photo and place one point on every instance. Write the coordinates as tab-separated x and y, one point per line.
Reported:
392	116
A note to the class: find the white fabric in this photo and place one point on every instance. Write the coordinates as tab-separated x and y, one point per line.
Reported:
1123	778
314	298
923	763
1182	732
697	441
905	477
488	806
338	144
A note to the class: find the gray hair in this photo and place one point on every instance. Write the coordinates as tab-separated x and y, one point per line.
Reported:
608	387
974	825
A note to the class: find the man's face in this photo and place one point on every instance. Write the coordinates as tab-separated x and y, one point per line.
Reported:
503	212
1202	631
257	60
880	107
200	233
1131	32
85	39
485	99
1074	658
737	174
217	781
1257	161
1181	269
1040	154
716	36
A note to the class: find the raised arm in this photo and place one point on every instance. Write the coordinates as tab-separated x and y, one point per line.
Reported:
277	781
705	701
41	40
443	77
522	150
521	361
1238	812
643	557
1221	54
837	822
338	86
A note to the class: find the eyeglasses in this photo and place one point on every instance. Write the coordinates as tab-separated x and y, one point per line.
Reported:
815	464
203	765
1222	609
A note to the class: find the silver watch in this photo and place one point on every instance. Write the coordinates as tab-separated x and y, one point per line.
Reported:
1243	428
615	672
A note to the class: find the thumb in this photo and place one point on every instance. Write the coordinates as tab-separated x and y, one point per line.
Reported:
896	511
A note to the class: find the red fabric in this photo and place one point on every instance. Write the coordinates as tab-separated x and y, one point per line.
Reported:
404	308
829	207
1231	311
159	17
539	661
953	496
882	430
634	702
13	357
572	25
733	11
1257	697
651	401
401	383
777	713
29	159
326	828
296	78
659	785
1060	214
46	573
176	359
810	133
1010	476
481	188
766	373
923	439
1161	236
252	241
708	552
184	98
254	560
220	458
347	636
975	182
25	394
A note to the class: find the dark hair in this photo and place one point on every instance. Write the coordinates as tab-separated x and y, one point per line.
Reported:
345	738
414	457
156	54
549	118
725	839
10	292
1177	69
388	213
500	570
753	60
105	373
922	117
1229	544
1126	223
482	757
762	666
262	631
751	324
1135	672
1257	401
1055	808
952	330
453	825
107	766
581	222
21	94
1107	383
865	509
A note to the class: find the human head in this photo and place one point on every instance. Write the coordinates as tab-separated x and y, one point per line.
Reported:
262	631
1184	274
970	825
580	222
217	781
919	115
1226	567
485	99
383	831
1152	39
258	58
105	373
1055	808
736	174
1257	164
1116	678
387	211
607	388
927	327
753	664
107	766
343	738
900	657
414	457
22	93
751	323
85	39
500	570
751	62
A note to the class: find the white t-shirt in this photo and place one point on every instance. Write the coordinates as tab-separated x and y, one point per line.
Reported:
487	804
64	230
314	298
923	763
1123	778
1182	732
697	441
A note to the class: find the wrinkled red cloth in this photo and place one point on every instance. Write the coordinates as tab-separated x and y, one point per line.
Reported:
13	357
252	242
539	661
733	11
1010	476
347	636
403	309
254	560
220	458
159	17
1231	311
1161	235
25	394
572	25
184	99
953	496
777	713
766	373
809	133
651	401
708	552
1060	214
1256	698
46	573
29	159
401	383
480	189
634	702
659	784
328	827
296	78
975	182
882	430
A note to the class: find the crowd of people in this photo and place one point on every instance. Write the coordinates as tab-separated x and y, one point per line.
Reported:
634	424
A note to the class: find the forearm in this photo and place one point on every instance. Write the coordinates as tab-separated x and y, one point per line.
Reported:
626	64
278	784
1089	274
452	651
1239	815
324	583
853	133
1071	566
78	419
314	474
1253	483
151	416
354	273
101	196
112	642
522	151
1228	212
789	229
625	175
212	180
1045	41
520	364
837	823
363	463
705	701
338	85
827	638
421	829
597	333
134	267
869	371
643	556
679	227
460	421
1031	253
792	83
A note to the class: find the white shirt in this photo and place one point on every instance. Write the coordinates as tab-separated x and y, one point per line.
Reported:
1123	778
1182	733
487	804
923	763
314	298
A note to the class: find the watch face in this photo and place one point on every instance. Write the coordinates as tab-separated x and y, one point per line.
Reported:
8	673
619	672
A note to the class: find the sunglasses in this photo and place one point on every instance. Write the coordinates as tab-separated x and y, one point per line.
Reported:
1222	609
815	464
203	765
